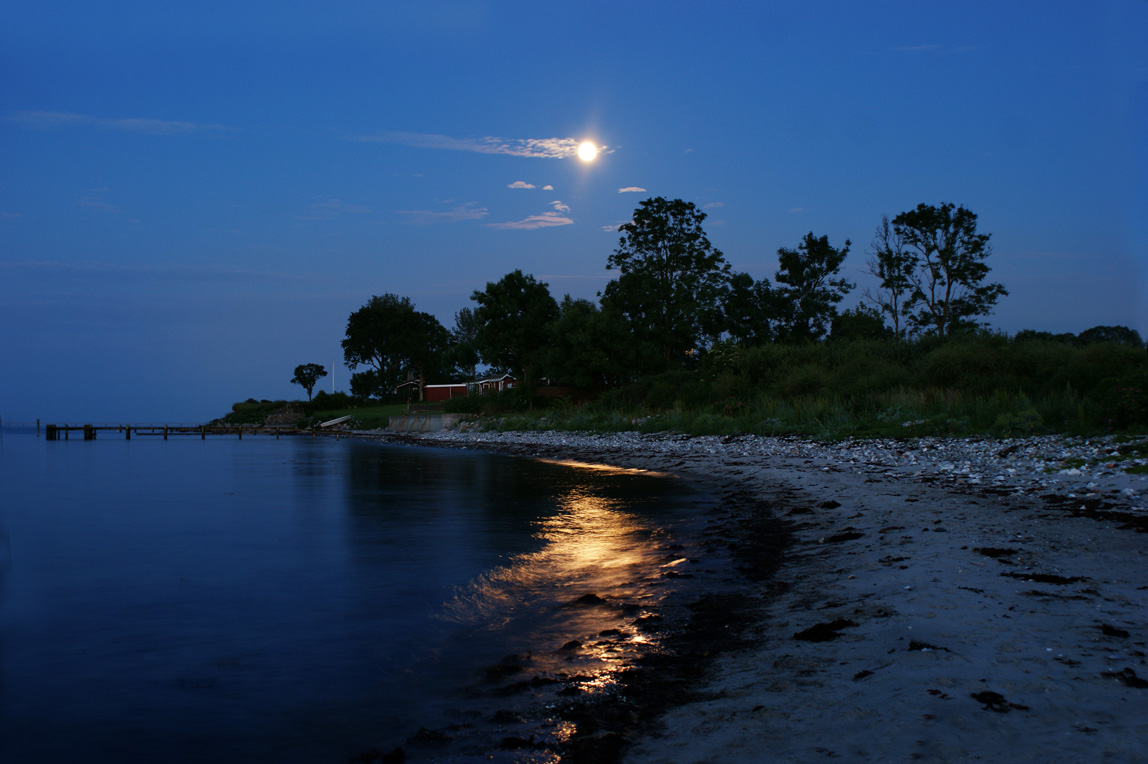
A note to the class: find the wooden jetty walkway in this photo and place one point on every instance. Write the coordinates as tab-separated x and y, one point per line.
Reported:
89	432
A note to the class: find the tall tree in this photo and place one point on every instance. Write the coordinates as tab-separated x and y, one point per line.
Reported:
390	336
948	278
514	316
809	288
590	347
464	356
671	278
747	310
307	374
892	265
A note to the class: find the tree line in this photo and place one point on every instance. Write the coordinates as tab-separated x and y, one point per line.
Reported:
675	298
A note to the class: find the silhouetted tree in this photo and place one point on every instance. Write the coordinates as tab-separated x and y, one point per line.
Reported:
890	263
590	347
307	375
1119	334
390	336
861	323
808	294
671	278
949	270
464	355
747	308
514	316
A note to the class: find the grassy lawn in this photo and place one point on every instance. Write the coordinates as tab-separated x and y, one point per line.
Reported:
365	417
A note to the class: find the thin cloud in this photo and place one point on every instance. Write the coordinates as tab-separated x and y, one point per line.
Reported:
521	184
614	227
178	271
95	201
931	48
54	120
537	148
713	205
332	208
548	187
632	190
545	220
559	206
455	215
795	210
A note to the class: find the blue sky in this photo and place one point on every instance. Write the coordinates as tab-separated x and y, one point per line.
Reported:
195	196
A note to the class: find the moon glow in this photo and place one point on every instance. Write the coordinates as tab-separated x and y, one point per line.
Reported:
587	151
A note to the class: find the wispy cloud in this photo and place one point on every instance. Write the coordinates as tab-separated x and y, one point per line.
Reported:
538	148
559	206
95	201
548	187
55	120
613	227
469	211
332	208
521	184
795	210
175	271
545	220
932	48
632	190
713	205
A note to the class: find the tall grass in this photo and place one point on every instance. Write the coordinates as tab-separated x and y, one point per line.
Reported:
983	385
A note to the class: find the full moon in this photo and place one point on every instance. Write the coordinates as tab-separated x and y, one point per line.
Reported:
587	151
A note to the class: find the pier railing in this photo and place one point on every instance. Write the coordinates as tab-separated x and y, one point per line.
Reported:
128	431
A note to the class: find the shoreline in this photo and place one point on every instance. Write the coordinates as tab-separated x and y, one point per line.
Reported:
941	600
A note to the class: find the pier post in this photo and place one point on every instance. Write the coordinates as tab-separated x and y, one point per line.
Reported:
241	432
89	432
202	432
128	430
165	432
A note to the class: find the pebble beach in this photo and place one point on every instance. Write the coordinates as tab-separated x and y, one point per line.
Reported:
945	600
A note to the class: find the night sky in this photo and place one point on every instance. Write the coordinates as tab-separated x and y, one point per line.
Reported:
195	196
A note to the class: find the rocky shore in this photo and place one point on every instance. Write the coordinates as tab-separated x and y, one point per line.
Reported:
938	600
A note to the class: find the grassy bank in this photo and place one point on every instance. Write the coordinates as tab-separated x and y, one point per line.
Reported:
365	415
986	385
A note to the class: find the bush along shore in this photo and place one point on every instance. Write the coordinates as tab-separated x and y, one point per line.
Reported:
943	599
975	385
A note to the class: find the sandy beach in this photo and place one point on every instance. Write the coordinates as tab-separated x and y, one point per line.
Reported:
947	601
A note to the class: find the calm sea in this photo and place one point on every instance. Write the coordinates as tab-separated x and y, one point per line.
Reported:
305	600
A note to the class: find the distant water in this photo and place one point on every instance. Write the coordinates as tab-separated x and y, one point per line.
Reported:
299	600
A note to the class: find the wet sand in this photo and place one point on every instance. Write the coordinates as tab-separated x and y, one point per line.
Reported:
915	614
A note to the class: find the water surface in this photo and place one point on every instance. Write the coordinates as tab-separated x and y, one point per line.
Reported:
303	600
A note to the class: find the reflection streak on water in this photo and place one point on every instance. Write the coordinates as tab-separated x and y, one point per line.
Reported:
592	546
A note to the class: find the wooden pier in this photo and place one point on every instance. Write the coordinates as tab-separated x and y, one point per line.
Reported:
89	432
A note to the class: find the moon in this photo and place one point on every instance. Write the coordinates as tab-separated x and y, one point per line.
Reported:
587	151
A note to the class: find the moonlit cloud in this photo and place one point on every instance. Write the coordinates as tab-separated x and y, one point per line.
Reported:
455	215
559	206
332	208
53	120
545	220
537	148
47	120
521	184
95	201
632	190
932	48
